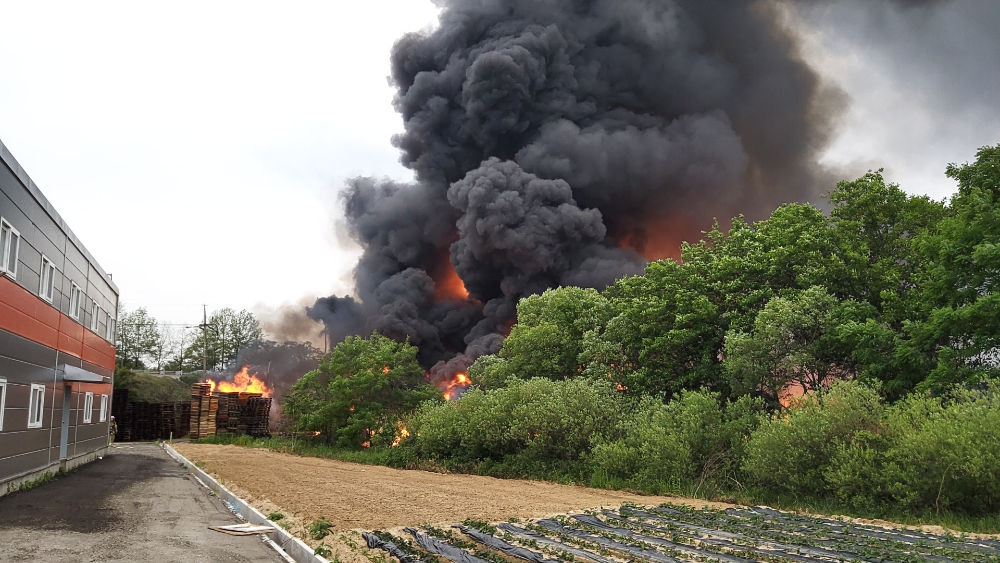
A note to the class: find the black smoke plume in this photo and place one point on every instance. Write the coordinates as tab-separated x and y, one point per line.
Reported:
564	142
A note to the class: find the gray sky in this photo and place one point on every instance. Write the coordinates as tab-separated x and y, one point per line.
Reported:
196	147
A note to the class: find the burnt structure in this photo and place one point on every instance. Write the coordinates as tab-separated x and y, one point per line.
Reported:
57	326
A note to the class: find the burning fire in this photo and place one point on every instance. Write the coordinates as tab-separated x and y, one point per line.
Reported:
242	382
656	238
402	435
453	389
449	286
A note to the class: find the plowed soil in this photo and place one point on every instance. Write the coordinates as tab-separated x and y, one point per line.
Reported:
353	496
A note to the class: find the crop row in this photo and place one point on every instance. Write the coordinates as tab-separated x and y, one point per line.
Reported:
668	534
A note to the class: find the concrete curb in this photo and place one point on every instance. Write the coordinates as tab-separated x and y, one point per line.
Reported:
286	543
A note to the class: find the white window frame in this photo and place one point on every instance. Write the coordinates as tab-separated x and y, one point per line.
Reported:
110	329
75	301
9	233
36	406
95	313
88	407
104	408
3	400
47	280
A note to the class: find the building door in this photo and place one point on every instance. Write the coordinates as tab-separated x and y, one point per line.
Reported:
64	434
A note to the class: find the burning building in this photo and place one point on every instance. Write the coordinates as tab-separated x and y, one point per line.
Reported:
563	142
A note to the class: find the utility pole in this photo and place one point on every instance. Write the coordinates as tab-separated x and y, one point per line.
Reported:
204	333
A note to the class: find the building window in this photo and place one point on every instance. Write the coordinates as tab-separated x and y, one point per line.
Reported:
88	407
3	400
94	314
74	302
47	287
104	409
10	242
36	405
111	329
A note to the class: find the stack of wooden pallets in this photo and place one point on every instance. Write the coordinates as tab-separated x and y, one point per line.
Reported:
182	419
257	416
204	409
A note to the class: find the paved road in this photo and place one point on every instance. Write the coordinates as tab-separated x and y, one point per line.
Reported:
136	504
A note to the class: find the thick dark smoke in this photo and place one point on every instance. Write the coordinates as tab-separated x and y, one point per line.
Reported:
563	142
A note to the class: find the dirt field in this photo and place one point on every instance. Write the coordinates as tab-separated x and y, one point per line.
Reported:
356	497
368	497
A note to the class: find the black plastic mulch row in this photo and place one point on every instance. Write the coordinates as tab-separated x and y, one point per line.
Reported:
544	540
989	546
838	554
648	554
595	522
697	532
837	551
450	552
375	542
785	534
838	532
507	548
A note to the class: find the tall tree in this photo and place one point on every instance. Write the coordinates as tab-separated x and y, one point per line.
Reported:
361	389
963	280
137	337
229	331
796	339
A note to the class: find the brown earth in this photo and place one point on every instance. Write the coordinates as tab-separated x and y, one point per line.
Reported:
355	498
352	496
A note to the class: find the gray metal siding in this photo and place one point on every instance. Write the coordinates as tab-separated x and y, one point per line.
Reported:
41	234
24	362
23	448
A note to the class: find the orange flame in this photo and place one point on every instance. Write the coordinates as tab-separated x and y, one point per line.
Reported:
403	434
657	238
457	384
243	382
449	286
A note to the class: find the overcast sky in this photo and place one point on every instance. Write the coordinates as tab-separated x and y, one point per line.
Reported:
196	148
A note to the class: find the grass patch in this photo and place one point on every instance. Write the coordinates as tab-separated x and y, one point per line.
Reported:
47	477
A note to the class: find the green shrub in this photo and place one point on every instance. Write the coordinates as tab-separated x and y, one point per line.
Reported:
648	456
931	454
691	442
536	420
791	452
320	529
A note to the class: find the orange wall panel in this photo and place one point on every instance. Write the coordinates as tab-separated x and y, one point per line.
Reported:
28	316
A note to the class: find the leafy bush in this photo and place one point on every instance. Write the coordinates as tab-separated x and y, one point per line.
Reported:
360	391
538	420
791	452
320	528
692	441
932	454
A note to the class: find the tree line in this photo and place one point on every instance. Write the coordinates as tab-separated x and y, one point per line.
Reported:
145	343
884	313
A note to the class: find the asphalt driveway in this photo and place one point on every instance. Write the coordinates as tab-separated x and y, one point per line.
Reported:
136	504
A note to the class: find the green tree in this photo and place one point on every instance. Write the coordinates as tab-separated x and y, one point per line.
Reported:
230	331
547	339
665	335
360	391
878	226
137	337
963	280
795	340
